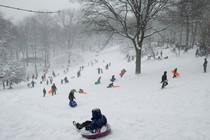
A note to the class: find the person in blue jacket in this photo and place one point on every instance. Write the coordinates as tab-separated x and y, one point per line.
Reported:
98	120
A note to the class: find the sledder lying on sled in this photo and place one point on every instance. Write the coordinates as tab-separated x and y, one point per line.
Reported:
96	128
111	85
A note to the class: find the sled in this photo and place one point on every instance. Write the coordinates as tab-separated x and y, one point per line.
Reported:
72	103
105	130
113	87
82	92
112	80
97	83
49	91
177	73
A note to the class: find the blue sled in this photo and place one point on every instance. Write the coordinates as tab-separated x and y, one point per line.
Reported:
72	104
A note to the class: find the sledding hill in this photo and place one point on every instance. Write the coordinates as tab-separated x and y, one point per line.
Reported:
139	109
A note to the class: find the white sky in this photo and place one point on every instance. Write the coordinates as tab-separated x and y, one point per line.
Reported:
44	5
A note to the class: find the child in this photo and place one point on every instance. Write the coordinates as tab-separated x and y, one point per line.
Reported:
164	80
98	121
44	92
71	95
110	85
113	78
98	81
175	72
205	64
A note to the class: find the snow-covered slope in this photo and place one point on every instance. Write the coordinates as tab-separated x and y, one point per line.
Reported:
138	110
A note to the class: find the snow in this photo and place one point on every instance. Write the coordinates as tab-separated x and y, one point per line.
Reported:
138	110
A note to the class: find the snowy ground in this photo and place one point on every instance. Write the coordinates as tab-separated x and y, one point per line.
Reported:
138	110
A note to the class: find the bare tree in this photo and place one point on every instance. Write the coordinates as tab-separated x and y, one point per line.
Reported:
69	22
44	21
131	19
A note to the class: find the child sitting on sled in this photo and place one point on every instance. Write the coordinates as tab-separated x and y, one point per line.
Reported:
98	81
110	85
97	121
113	78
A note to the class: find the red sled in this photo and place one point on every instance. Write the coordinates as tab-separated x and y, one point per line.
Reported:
50	91
82	92
177	73
105	130
115	86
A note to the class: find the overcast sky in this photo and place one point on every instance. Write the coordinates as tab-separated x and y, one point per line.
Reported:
44	5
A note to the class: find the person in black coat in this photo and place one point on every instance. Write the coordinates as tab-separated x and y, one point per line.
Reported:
113	78
205	64
44	92
71	95
164	79
53	88
32	83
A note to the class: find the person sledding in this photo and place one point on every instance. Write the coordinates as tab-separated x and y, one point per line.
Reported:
94	125
98	81
81	91
113	78
110	85
164	80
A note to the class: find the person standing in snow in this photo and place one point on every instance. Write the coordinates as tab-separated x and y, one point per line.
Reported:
53	88
175	71
164	80
71	95
99	70
44	92
32	83
78	73
205	64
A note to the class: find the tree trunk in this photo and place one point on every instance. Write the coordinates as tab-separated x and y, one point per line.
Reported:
181	34
187	31
138	61
26	55
194	33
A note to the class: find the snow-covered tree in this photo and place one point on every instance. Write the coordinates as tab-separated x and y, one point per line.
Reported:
10	69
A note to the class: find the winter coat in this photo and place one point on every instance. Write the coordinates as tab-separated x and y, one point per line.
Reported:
53	87
205	63
71	95
98	120
164	78
113	79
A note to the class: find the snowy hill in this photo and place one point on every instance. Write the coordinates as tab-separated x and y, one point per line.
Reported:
138	110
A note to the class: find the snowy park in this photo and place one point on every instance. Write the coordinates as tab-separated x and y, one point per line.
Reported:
138	109
104	69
